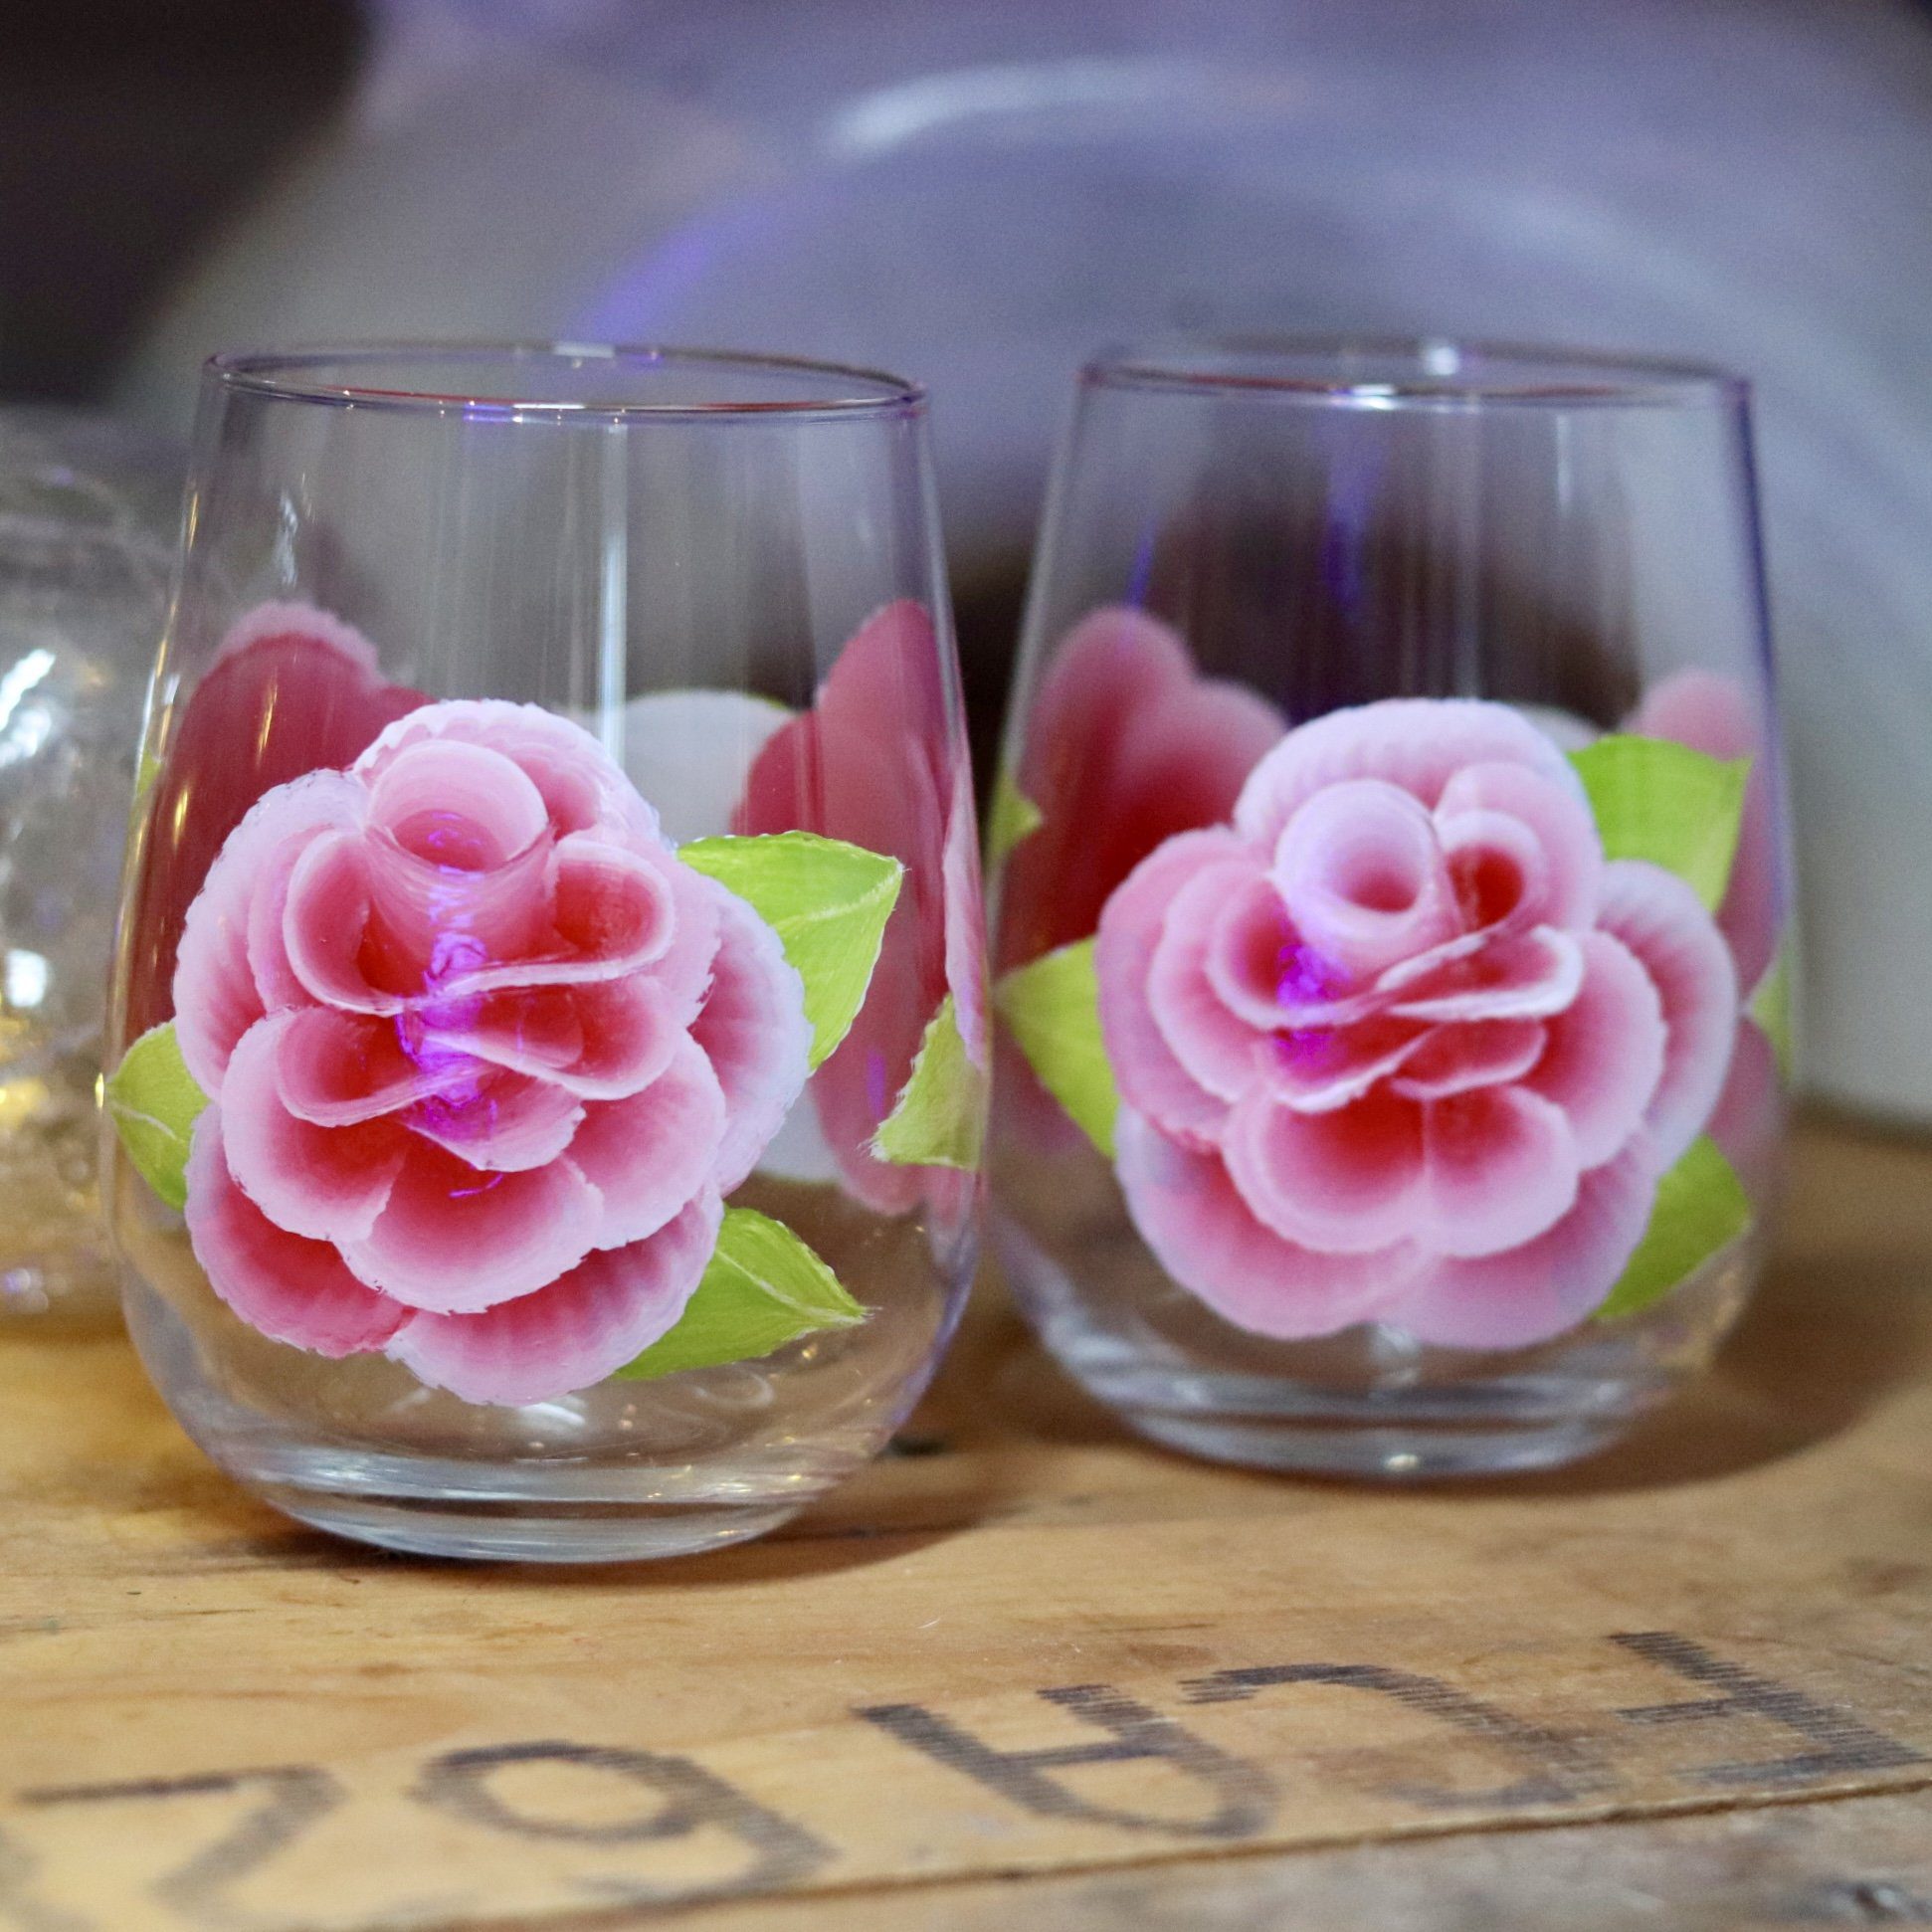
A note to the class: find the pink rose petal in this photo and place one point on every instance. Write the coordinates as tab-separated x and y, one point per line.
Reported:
217	997
1500	1168
1418	743
1315	1070
1126	746
1526	1294
1513	976
290	692
1218	1050
1469	1054
613	910
325	1183
1362	877
682	973
600	1041
1659	918
650	1154
628	1038
1265	973
338	1069
287	1288
431	926
1347	1182
581	785
754	1032
268	950
325	922
874	762
1559	830
1499	873
1151	1078
463	807
1203	1233
573	1332
1605	1056
455	1239
498	1120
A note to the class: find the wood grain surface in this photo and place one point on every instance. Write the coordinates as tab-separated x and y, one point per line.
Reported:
1027	1672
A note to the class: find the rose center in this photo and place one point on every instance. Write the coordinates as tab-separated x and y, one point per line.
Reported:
1375	880
1488	884
451	840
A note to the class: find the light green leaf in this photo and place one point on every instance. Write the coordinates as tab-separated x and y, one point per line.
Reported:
761	1289
828	902
1011	817
1771	1007
1053	1005
939	1119
1701	1207
153	1102
147	776
1658	799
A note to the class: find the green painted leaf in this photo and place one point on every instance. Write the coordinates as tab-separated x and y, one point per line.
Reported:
153	1102
762	1289
1053	1005
828	902
1771	1007
145	778
939	1119
1701	1206
1658	799
1011	817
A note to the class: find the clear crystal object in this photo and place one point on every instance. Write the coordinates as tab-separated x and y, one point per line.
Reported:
88	512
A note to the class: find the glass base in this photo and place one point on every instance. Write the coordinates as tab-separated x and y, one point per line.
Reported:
526	1529
1368	1402
614	1475
1306	1433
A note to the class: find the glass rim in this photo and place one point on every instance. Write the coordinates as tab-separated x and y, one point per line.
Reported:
1393	372
315	373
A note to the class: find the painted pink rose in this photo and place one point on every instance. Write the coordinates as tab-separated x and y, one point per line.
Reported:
484	1057
1127	744
879	761
1398	1044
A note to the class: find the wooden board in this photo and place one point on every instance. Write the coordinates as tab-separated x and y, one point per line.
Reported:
1031	1674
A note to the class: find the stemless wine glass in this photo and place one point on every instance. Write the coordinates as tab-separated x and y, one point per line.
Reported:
1390	931
550	1000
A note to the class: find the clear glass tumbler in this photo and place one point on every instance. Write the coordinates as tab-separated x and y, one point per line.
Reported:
550	1004
1390	900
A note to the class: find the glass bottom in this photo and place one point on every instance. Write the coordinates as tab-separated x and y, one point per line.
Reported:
1368	1402
612	1475
414	1514
1306	1431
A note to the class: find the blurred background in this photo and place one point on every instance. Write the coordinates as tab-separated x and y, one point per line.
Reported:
977	192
